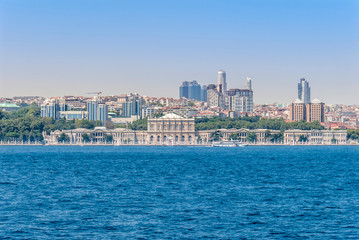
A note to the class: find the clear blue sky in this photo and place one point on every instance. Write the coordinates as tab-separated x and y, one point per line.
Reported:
70	47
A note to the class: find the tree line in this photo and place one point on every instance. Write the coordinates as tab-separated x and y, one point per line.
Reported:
27	125
255	122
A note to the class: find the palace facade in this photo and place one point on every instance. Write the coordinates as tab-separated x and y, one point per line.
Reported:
172	129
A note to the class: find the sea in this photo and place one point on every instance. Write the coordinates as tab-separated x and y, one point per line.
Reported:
149	192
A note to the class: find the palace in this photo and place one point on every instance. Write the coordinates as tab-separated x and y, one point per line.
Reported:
172	129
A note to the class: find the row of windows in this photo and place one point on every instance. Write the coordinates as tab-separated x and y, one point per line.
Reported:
170	138
170	127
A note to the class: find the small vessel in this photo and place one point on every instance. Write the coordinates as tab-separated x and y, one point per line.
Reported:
228	144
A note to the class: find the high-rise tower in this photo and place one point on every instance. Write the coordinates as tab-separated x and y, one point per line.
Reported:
222	84
304	91
249	83
190	90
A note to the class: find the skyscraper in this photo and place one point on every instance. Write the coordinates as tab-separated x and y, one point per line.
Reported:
303	109
97	111
132	106
249	83
204	93
190	90
222	84
315	111
183	90
214	97
297	111
304	91
52	107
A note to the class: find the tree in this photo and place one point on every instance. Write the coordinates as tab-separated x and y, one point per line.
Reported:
353	134
334	141
1	114
216	135
277	137
235	136
140	124
158	114
251	137
267	134
191	104
108	138
86	138
253	122
303	138
63	138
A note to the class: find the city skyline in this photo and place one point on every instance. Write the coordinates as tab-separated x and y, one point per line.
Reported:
71	48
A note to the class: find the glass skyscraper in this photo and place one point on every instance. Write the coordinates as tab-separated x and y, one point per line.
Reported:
190	90
304	91
222	83
51	108
132	107
97	111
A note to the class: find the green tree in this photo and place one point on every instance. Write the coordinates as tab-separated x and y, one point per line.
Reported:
216	135
63	138
191	104
251	137
277	137
353	134
140	124
86	138
235	136
267	134
334	141
158	114
108	138
303	138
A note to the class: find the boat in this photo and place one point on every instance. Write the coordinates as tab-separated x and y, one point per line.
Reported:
228	144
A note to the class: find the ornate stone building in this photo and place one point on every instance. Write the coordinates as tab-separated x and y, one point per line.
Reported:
204	136
98	135
316	136
171	129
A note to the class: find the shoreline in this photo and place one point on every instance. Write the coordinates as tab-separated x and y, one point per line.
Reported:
166	145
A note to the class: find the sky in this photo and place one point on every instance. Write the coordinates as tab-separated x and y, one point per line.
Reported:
72	47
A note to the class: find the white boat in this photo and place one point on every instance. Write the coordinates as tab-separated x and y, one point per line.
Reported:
228	144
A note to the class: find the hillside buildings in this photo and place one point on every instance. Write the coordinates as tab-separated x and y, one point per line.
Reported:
240	100
237	100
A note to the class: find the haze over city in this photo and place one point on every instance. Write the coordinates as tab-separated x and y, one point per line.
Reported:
56	48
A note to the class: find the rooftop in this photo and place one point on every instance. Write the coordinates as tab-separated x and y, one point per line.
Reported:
7	105
171	116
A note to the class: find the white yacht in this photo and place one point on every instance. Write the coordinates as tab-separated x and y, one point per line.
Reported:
228	144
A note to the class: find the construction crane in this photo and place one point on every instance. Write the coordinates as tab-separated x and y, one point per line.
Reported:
98	93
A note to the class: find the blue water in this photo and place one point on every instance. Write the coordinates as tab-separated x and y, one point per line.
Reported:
299	192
